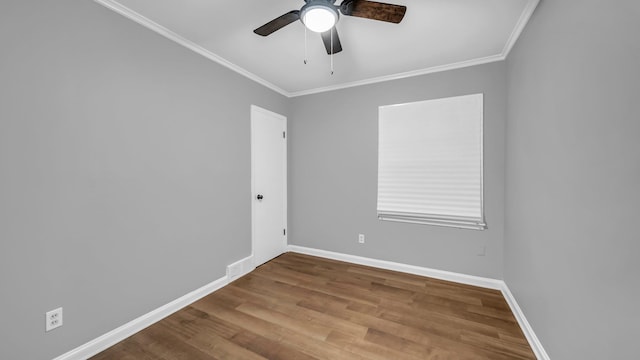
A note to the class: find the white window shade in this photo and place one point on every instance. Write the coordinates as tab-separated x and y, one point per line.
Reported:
430	162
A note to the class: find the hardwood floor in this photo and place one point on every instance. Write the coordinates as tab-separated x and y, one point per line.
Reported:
303	307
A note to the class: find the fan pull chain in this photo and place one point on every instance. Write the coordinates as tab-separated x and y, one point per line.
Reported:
305	45
332	50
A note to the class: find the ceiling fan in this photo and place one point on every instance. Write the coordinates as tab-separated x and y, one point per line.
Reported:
321	16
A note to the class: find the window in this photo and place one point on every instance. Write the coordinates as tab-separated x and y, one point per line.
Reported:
430	162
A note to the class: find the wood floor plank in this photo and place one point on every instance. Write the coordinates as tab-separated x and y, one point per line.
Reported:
207	335
422	351
303	307
167	345
299	312
305	346
371	350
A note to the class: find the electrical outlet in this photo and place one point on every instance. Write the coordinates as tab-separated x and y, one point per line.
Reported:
361	238
53	319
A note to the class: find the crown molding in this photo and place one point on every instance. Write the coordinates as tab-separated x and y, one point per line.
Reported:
425	71
515	34
520	25
150	24
146	22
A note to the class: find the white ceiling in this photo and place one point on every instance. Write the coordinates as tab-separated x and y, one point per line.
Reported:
434	35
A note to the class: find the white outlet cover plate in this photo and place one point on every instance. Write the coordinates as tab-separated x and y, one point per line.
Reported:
53	319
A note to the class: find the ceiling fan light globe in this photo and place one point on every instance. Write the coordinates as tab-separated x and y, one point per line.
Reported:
319	18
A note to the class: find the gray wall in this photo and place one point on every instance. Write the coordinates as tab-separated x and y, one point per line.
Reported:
124	172
573	177
333	150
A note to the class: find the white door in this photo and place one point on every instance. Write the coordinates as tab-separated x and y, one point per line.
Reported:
268	184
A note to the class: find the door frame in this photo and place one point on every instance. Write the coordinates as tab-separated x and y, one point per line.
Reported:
254	109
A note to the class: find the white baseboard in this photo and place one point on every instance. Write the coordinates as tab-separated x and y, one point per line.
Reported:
410	269
488	283
533	340
245	266
111	338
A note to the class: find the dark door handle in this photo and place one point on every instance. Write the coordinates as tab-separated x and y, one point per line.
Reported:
259	197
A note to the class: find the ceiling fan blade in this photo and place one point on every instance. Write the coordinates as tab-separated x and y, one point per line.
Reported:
373	10
278	23
326	39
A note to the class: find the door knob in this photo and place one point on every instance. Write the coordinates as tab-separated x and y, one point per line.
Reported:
259	197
